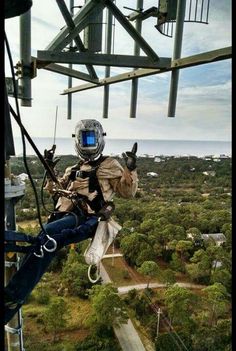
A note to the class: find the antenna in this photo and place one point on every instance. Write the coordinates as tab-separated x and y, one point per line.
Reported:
55	128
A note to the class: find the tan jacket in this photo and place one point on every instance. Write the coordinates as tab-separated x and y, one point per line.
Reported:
113	179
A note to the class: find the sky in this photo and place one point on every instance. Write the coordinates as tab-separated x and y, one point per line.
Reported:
203	110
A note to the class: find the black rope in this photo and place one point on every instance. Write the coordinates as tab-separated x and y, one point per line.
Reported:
23	133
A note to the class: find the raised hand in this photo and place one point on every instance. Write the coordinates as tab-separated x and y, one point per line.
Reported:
130	157
49	157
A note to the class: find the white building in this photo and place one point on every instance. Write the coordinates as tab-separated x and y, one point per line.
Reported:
219	238
152	174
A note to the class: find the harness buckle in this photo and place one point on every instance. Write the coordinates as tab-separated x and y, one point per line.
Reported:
41	252
54	244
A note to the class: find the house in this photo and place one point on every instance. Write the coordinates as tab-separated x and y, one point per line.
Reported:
218	238
223	156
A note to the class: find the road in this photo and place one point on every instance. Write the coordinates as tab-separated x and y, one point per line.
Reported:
128	337
125	289
126	334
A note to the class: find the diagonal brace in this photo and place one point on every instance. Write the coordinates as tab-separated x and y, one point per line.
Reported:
131	30
81	20
71	26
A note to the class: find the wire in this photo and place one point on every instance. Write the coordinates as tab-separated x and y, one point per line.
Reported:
169	325
42	194
22	134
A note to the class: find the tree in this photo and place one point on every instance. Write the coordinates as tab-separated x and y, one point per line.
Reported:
147	254
149	268
108	309
213	338
223	276
173	232
55	316
200	267
216	301
132	245
147	225
168	277
181	303
182	247
75	275
195	233
176	264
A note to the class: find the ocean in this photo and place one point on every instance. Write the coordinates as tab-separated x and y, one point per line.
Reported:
65	146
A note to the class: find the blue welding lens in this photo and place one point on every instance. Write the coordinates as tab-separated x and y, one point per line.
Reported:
88	138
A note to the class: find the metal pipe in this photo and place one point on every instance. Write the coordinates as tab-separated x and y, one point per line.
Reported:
181	6
70	66
14	326
25	57
107	68
134	87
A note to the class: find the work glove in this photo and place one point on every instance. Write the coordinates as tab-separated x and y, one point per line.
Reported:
130	157
49	157
106	211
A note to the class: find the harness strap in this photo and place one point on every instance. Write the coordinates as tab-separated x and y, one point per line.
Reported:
98	202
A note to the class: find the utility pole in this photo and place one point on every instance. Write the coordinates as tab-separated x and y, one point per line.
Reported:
113	252
158	321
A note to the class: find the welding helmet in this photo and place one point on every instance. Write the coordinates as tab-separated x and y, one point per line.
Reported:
89	139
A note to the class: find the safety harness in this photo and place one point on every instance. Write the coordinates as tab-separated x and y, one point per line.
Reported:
98	202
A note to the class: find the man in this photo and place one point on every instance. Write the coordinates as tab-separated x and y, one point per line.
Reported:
84	197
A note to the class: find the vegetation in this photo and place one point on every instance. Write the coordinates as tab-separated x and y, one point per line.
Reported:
161	240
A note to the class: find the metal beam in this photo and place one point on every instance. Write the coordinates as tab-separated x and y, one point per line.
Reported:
80	20
132	31
53	67
181	6
25	57
134	86
199	59
102	59
70	24
109	31
206	57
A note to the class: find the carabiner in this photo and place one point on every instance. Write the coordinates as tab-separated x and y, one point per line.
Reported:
98	274
54	243
41	253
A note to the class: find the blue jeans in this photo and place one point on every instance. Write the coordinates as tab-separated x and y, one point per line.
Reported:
67	230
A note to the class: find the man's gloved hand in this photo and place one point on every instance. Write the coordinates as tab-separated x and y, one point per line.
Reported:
49	157
130	157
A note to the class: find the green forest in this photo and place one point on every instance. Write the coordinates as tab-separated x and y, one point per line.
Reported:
163	240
